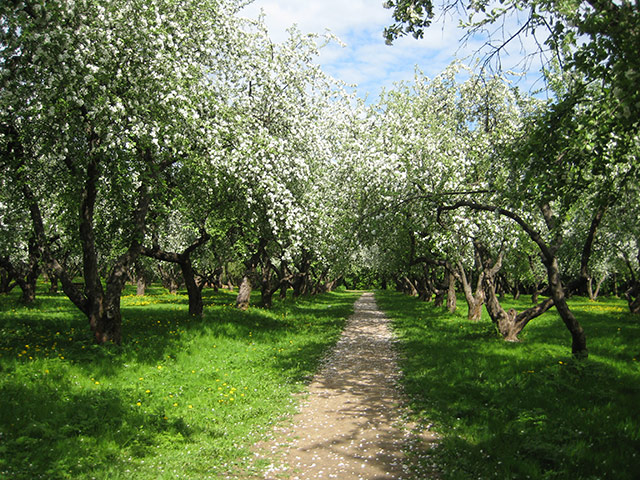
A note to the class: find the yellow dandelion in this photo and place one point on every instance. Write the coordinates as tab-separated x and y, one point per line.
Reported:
138	404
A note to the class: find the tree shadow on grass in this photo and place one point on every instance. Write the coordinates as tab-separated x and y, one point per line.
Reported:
60	425
54	430
524	409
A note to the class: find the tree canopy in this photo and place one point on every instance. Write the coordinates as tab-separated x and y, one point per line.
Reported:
177	141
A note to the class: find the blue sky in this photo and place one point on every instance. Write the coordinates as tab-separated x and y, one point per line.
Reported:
366	60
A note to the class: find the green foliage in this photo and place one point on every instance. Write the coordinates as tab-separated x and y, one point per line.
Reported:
524	410
184	398
413	16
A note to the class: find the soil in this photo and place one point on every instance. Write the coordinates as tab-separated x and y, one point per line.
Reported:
352	424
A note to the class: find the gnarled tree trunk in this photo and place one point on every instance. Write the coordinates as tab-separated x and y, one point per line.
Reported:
550	261
474	300
100	305
509	323
183	259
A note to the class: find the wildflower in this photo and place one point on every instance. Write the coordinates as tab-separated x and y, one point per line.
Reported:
138	403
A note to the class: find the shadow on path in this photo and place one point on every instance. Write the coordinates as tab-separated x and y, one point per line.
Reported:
351	425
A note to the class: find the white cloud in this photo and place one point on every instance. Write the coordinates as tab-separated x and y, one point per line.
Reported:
339	16
366	60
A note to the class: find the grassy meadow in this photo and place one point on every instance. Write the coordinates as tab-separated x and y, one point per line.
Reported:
524	410
181	398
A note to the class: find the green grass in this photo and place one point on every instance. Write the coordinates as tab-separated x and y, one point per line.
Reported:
181	398
528	409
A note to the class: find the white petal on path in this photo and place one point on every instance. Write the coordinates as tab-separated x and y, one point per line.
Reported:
349	426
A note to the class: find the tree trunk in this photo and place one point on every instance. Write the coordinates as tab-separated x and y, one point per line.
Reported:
142	277
267	297
598	286
474	300
590	288
53	283
28	293
301	278
183	260
141	285
634	305
548	252
535	295
451	291
438	301
424	292
108	324
578	337
193	290
582	285
268	286
244	292
633	298
5	281
409	288
101	308
510	323
24	275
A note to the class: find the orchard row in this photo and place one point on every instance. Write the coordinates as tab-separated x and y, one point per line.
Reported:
154	138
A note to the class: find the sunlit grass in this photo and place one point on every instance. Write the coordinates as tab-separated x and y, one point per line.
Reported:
181	398
524	410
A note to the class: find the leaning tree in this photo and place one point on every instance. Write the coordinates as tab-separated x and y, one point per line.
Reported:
101	103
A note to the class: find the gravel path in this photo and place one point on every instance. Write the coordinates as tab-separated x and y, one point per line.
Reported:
350	426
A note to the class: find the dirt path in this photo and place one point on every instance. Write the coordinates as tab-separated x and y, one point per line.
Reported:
350	426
